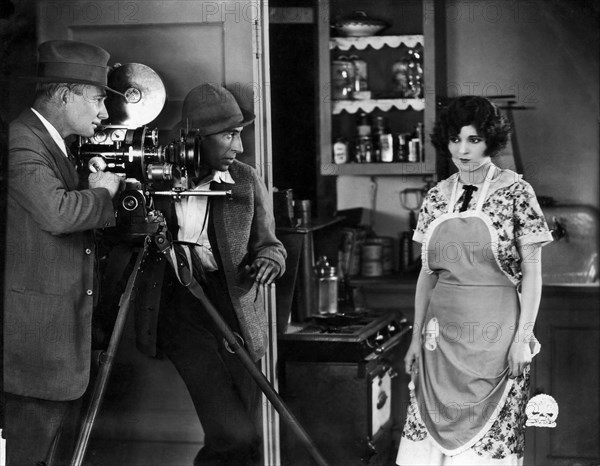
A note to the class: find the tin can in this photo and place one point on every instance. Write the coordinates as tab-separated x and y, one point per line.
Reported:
372	260
387	252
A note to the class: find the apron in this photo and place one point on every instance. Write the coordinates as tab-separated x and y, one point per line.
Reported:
462	381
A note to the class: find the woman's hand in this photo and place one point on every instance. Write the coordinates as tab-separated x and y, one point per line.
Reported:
411	360
519	357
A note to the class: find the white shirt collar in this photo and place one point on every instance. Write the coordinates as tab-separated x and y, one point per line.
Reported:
60	142
216	176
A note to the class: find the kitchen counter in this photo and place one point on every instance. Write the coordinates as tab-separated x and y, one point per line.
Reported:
394	290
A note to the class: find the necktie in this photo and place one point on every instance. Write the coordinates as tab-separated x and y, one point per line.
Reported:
469	190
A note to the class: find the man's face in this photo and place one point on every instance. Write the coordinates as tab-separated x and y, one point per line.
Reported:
220	150
85	112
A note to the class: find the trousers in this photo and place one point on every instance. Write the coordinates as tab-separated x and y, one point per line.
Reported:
226	398
39	432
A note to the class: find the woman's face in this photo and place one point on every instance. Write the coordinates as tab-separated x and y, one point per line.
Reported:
468	149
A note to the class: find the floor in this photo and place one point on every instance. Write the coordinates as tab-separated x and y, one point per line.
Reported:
147	418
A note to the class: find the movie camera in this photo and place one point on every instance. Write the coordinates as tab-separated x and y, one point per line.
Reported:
129	148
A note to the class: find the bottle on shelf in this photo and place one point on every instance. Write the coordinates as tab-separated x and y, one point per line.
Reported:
341	151
364	142
413	150
401	147
383	141
363	152
420	137
363	125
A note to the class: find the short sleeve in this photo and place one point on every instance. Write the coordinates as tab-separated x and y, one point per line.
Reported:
529	221
426	215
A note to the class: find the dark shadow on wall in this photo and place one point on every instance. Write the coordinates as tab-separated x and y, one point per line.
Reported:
17	58
293	108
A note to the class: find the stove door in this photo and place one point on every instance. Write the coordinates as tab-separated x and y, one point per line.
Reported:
381	400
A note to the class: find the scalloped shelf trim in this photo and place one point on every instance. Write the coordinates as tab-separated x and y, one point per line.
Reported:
353	106
377	42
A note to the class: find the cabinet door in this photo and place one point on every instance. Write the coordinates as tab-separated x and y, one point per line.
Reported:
186	43
568	369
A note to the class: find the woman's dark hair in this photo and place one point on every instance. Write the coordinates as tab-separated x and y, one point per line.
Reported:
477	111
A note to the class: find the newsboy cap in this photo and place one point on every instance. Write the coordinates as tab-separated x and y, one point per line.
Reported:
210	109
68	61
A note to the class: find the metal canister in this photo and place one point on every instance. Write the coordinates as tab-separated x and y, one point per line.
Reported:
387	253
371	264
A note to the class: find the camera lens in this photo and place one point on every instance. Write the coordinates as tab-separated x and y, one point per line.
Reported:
161	172
129	203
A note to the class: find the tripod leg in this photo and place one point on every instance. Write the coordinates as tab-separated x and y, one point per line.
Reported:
258	376
106	365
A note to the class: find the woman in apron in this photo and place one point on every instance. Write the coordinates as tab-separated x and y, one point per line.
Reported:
476	301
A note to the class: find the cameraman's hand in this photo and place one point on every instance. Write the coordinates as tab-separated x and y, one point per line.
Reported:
106	180
264	271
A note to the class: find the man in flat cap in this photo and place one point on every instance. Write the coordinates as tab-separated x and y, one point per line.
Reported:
49	287
233	251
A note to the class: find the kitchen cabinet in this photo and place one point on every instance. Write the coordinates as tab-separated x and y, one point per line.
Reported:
568	369
414	25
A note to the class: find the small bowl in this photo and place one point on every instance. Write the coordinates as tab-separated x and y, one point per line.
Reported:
359	24
361	95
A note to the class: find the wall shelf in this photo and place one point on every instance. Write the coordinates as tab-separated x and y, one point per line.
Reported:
376	169
385	105
376	42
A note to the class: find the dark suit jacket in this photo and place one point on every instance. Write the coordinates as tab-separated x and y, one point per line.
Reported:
244	229
49	271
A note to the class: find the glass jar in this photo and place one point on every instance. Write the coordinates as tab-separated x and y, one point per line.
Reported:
327	288
342	78
407	74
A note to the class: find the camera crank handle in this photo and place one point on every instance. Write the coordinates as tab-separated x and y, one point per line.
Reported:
97	164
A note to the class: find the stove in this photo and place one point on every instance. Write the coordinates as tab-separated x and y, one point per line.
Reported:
343	378
346	337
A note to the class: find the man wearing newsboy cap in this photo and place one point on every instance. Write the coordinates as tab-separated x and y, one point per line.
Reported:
49	287
233	251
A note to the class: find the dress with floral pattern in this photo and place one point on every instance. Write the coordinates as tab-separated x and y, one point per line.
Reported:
513	209
517	217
